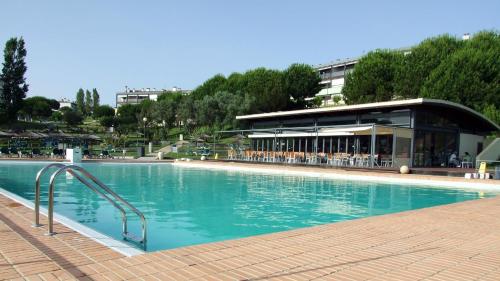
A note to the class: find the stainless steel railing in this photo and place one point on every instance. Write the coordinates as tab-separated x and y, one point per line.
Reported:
110	196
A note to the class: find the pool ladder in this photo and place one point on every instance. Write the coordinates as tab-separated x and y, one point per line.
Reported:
100	188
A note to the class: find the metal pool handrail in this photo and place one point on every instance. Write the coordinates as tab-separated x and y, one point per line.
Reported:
85	182
37	189
72	169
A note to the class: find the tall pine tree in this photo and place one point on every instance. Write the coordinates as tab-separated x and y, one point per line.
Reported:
95	99
12	80
80	101
88	103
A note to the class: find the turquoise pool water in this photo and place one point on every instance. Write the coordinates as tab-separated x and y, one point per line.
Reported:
186	206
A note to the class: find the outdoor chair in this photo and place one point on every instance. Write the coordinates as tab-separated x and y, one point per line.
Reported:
230	155
345	159
271	157
364	160
386	162
249	155
335	160
4	152
311	159
35	153
57	152
105	154
14	151
25	153
330	158
358	160
466	164
86	154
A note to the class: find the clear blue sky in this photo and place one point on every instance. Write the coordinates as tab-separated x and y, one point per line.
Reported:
160	44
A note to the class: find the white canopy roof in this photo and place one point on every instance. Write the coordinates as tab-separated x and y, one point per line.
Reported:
346	131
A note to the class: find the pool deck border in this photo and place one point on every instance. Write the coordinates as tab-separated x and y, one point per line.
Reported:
112	243
457	241
339	174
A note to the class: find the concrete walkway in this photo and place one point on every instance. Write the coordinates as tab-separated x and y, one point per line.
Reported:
452	242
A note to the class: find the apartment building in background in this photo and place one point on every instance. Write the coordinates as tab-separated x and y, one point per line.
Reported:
64	102
332	80
136	96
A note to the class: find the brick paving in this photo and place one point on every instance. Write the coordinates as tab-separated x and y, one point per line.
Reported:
451	242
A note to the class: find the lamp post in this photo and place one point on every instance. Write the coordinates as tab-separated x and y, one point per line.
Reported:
145	119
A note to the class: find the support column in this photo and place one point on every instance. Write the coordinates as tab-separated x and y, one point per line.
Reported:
394	140
372	150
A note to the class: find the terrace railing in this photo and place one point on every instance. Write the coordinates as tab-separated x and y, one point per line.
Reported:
98	187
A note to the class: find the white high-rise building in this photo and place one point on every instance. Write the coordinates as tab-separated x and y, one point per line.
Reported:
332	80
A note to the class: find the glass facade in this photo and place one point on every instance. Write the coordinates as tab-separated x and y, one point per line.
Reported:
337	120
433	148
401	118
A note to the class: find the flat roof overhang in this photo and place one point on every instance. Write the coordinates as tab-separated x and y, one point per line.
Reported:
371	106
329	132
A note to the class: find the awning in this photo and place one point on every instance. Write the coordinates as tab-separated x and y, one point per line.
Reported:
327	132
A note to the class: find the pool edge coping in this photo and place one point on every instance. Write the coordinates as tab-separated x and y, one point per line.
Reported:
335	175
111	243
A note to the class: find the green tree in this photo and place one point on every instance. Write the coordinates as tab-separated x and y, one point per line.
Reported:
166	110
231	105
103	111
14	86
88	103
56	116
210	87
105	114
207	111
39	108
95	99
373	78
470	76
235	83
493	113
127	118
301	82
169	95
80	101
420	62
267	88
107	121
186	112
65	109
72	118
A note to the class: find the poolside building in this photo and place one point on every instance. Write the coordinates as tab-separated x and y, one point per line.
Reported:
416	132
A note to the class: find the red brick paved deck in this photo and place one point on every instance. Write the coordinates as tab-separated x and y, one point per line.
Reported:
453	242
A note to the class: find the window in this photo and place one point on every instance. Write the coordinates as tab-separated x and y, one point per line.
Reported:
395	117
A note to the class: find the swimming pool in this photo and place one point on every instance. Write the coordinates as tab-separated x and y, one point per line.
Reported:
186	206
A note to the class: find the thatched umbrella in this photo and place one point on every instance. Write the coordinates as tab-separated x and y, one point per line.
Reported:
181	142
7	134
27	135
204	136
